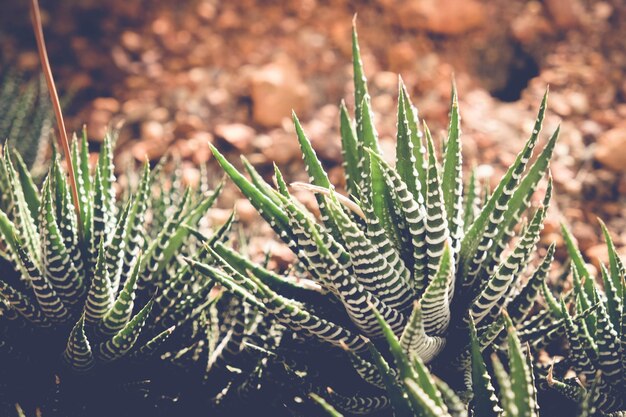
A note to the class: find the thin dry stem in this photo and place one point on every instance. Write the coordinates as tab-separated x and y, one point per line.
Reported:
354	207
35	15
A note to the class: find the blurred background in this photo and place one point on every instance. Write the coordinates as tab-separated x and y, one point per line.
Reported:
185	73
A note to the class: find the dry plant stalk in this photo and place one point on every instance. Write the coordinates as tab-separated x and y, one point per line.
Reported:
35	15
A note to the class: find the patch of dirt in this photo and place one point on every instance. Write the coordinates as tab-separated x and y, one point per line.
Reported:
183	74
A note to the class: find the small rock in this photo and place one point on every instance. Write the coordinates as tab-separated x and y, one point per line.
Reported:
246	213
28	61
196	148
602	10
191	176
282	149
326	144
566	14
131	41
388	150
229	19
585	235
237	134
206	10
152	150
97	124
445	17
599	253
578	101
218	216
531	25
560	104
152	131
386	81
135	110
337	176
281	256
107	103
401	56
611	149
308	199
277	89
484	172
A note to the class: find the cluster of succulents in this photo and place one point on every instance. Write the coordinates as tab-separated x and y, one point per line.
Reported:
413	294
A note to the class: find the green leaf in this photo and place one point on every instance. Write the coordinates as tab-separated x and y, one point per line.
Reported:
437	228
350	151
100	295
78	352
153	345
100	216
177	238
578	354
415	341
9	231
609	348
520	201
50	303
496	290
410	369
123	341
31	194
317	175
615	264
410	217
21	214
422	402
259	182
360	91
372	177
277	282
613	303
456	406
520	374
266	207
121	310
134	225
436	299
114	253
105	163
22	304
58	266
472	200
397	394
521	305
484	402
579	264
452	177
410	150
329	409
475	235
285	311
405	159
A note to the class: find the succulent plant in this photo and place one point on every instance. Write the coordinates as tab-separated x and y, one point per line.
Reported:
408	243
597	345
96	298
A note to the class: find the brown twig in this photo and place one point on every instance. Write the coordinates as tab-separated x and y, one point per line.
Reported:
35	15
